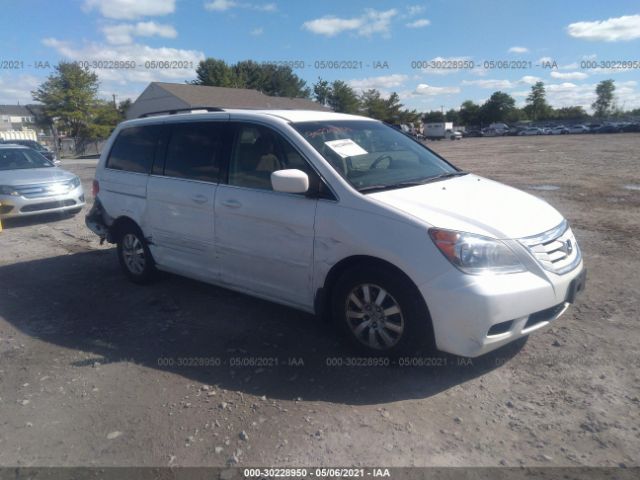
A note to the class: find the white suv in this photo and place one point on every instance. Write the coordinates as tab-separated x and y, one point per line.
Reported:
339	215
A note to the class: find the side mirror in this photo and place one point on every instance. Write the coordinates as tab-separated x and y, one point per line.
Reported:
290	181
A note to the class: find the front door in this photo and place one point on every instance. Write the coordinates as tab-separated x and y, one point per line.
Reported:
264	239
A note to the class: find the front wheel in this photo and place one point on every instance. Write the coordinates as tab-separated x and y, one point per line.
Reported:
381	311
134	255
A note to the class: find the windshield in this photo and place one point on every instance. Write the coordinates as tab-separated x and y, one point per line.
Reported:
21	158
373	156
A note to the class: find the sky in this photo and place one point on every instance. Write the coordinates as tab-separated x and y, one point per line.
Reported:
394	46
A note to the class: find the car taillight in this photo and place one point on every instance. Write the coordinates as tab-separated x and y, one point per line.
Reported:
95	188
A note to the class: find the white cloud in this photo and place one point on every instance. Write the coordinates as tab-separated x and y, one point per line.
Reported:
257	31
17	89
616	29
489	83
224	5
420	23
367	24
424	89
124	33
529	80
518	50
498	84
545	60
381	82
137	53
130	9
569	75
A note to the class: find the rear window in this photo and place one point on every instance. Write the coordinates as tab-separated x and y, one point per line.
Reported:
134	149
195	151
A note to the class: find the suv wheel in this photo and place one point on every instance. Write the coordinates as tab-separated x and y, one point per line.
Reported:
381	311
134	255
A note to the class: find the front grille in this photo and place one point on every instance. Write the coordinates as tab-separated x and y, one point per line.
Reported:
556	249
45	189
47	206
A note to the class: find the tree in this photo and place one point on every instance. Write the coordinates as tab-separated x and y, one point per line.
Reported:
452	115
373	105
434	116
469	113
570	113
214	72
343	98
498	108
321	91
270	79
69	96
605	102
537	107
123	107
105	118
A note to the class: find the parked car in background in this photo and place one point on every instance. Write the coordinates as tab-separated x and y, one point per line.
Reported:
38	147
30	184
559	130
631	127
531	131
607	129
339	215
472	133
578	129
453	135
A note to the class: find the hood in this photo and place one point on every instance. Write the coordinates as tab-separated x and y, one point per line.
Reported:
30	176
476	205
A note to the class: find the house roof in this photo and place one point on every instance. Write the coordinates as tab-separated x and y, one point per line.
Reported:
223	97
15	110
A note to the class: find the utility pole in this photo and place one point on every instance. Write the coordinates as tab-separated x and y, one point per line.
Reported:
115	105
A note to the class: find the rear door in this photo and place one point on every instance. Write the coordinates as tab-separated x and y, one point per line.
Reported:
265	238
181	193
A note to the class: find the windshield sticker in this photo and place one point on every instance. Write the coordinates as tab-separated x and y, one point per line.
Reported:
346	147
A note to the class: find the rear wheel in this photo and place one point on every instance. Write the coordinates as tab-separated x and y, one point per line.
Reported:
134	255
381	311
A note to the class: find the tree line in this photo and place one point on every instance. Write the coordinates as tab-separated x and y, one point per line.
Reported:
70	101
501	108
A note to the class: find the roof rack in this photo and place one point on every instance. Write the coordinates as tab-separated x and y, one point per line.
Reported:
175	111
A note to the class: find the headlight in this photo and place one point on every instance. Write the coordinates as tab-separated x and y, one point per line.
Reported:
75	183
475	254
8	190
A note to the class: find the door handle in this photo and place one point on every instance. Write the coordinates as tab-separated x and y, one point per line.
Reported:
231	203
199	199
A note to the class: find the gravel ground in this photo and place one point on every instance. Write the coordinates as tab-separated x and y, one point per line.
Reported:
97	371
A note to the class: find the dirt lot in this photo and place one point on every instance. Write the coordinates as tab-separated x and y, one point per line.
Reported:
91	374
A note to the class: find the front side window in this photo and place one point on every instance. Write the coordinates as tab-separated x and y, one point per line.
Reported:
258	152
22	158
373	156
195	151
134	149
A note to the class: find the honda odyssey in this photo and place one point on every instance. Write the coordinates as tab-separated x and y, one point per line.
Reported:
338	215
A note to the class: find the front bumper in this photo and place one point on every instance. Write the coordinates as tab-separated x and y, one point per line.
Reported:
12	206
473	315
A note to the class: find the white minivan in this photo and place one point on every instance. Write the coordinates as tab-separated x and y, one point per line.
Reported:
338	215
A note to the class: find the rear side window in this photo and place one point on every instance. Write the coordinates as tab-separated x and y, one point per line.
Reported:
195	151
134	149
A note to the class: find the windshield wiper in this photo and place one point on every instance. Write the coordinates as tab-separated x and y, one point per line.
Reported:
411	183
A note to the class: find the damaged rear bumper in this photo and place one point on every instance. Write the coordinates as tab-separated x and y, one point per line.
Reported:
96	220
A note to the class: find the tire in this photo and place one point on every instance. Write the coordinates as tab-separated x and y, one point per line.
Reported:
134	255
401	322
